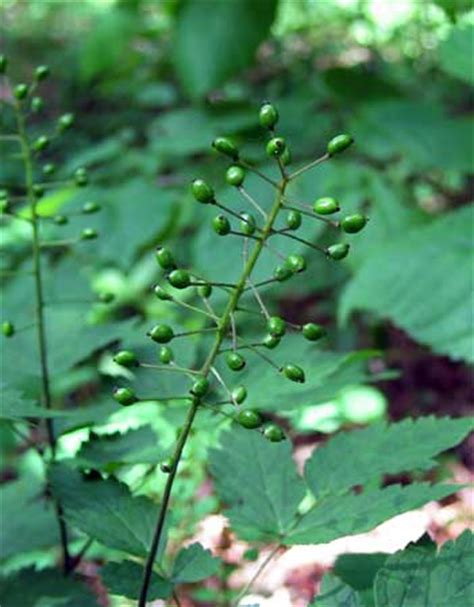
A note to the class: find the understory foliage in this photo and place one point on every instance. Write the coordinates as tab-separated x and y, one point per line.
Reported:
224	366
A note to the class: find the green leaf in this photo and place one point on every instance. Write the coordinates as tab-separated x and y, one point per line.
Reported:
335	593
402	282
193	564
214	40
357	457
125	578
455	53
359	570
258	480
105	510
418	578
49	587
339	516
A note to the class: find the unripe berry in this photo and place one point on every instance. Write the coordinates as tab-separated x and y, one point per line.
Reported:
248	225
161	293
106	297
20	91
38	190
49	169
339	144
294	373
226	146
200	387
88	208
165	258
179	279
276	147
235	176
296	263
271	341
286	157
268	115
3	64
326	206
338	251
41	72
65	122
276	326
273	433
89	234
162	334
167	465
37	104
312	332
249	419
202	191
221	225
126	358
353	223
235	361
165	355
239	394
41	143
294	220
60	220
125	396
8	329
81	177
205	291
282	273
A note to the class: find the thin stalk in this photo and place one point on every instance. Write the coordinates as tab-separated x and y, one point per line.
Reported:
302	240
256	575
169	368
301	209
253	202
220	336
308	166
254	169
40	322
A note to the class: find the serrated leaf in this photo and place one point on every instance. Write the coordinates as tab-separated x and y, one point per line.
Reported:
339	516
194	563
355	458
455	53
418	578
359	570
105	510
258	480
335	593
125	578
399	283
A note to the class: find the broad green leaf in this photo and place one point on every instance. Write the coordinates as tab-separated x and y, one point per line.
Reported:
357	457
105	510
194	563
455	53
359	570
125	578
402	282
420	578
258	480
339	516
335	593
48	588
214	40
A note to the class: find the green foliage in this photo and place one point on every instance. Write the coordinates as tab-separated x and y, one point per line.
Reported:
455	54
193	564
123	579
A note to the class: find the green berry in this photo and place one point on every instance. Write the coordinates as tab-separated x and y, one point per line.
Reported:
205	291
276	326
268	115
326	206
89	234
294	220
179	279
65	122
4	206
162	334
38	190
165	355
235	176
294	373
37	104
271	341
125	396
282	273
81	177
273	433
226	146
286	157
20	91
41	143
249	419
296	263
202	191
339	144
60	220
235	361
41	72
8	329
338	251
200	387
221	225
312	332
248	225
276	147
49	169
167	465
126	358
88	208
239	394
106	297
161	293
353	223
165	258
3	64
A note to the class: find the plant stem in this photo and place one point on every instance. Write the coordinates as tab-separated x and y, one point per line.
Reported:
308	166
206	368
256	575
40	321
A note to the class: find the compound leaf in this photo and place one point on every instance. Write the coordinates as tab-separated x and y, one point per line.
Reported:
194	563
